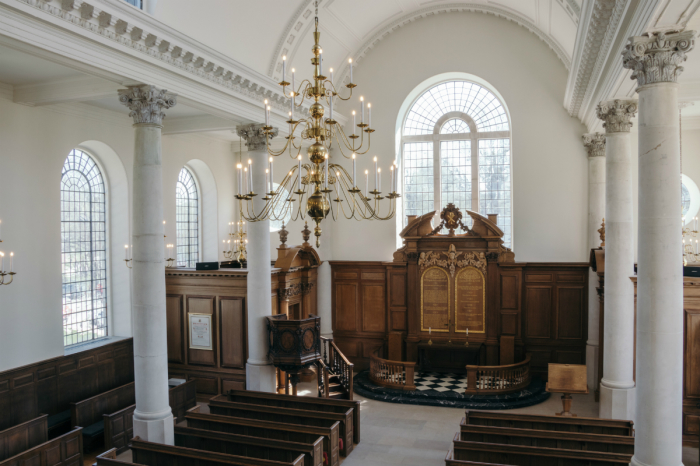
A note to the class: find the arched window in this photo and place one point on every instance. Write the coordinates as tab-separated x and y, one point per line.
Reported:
690	199
279	210
83	250
187	220
456	149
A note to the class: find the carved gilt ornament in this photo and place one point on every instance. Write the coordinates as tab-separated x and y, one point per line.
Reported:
452	260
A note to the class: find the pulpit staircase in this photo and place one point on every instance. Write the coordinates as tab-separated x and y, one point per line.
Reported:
335	372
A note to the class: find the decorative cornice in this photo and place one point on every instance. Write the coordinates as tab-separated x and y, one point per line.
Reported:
656	57
147	103
387	29
254	135
131	29
594	144
616	115
599	36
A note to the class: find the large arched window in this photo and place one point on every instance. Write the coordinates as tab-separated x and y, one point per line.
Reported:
456	149
83	250
187	220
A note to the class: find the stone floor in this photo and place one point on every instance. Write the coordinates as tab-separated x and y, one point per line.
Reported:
395	434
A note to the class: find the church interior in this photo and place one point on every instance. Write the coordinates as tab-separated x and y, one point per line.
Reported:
359	232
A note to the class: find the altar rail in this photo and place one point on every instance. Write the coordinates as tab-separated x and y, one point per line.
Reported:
392	374
498	379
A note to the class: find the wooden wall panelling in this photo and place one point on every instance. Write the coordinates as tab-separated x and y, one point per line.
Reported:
176	325
233	328
48	387
691	362
554	314
397	288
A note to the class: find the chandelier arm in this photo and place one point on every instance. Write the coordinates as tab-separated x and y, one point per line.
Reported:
335	90
340	181
350	146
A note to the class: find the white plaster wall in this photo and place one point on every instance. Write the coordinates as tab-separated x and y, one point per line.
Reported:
35	143
549	161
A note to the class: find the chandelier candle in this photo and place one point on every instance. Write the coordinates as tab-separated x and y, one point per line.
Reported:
267	177
376	175
284	68
350	61
353	123
320	63
331	70
325	173
391	186
245	188
366	183
291	105
267	114
330	115
299	184
271	181
379	180
126	252
293	71
362	105
250	175
240	179
369	115
354	171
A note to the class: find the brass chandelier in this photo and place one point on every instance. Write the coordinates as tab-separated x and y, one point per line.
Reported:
323	188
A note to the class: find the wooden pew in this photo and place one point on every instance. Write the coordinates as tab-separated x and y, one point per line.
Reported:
119	426
250	447
547	438
181	398
450	461
268	429
301	402
88	413
65	450
219	405
156	454
519	455
556	423
109	458
22	437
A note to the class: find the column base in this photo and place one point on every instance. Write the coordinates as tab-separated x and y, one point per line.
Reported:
261	378
592	366
617	403
158	430
636	462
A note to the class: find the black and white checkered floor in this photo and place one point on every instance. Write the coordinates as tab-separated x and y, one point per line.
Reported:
440	382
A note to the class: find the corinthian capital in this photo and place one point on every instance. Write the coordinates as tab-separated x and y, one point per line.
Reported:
254	135
656	57
617	115
147	103
595	144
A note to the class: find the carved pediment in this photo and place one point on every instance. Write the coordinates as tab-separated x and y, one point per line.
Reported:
452	219
297	256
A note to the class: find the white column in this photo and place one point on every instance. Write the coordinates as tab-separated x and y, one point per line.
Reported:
655	61
617	386
324	292
260	374
595	146
153	419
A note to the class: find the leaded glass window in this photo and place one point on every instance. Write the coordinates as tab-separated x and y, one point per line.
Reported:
83	250
187	220
685	199
462	129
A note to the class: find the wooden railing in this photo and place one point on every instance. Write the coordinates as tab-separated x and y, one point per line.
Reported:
392	374
338	365
498	379
323	374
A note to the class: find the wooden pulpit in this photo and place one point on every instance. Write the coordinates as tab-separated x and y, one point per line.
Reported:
567	379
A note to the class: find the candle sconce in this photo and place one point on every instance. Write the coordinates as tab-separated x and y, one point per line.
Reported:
690	254
239	235
128	260
169	261
3	272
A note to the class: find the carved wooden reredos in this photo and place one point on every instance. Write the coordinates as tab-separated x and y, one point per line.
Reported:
452	277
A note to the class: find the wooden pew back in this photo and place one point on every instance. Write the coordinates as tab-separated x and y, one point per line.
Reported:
547	438
17	439
66	450
518	455
119	426
156	454
87	412
303	402
553	423
220	405
251	447
268	429
182	397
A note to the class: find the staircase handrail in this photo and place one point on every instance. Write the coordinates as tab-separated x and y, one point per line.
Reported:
338	364
323	379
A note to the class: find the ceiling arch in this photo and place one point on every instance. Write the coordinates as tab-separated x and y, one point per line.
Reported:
552	21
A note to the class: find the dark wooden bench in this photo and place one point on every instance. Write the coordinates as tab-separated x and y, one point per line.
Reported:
220	405
65	450
555	423
119	426
89	413
547	438
251	447
109	458
519	455
268	429
156	454
22	437
304	402
450	461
